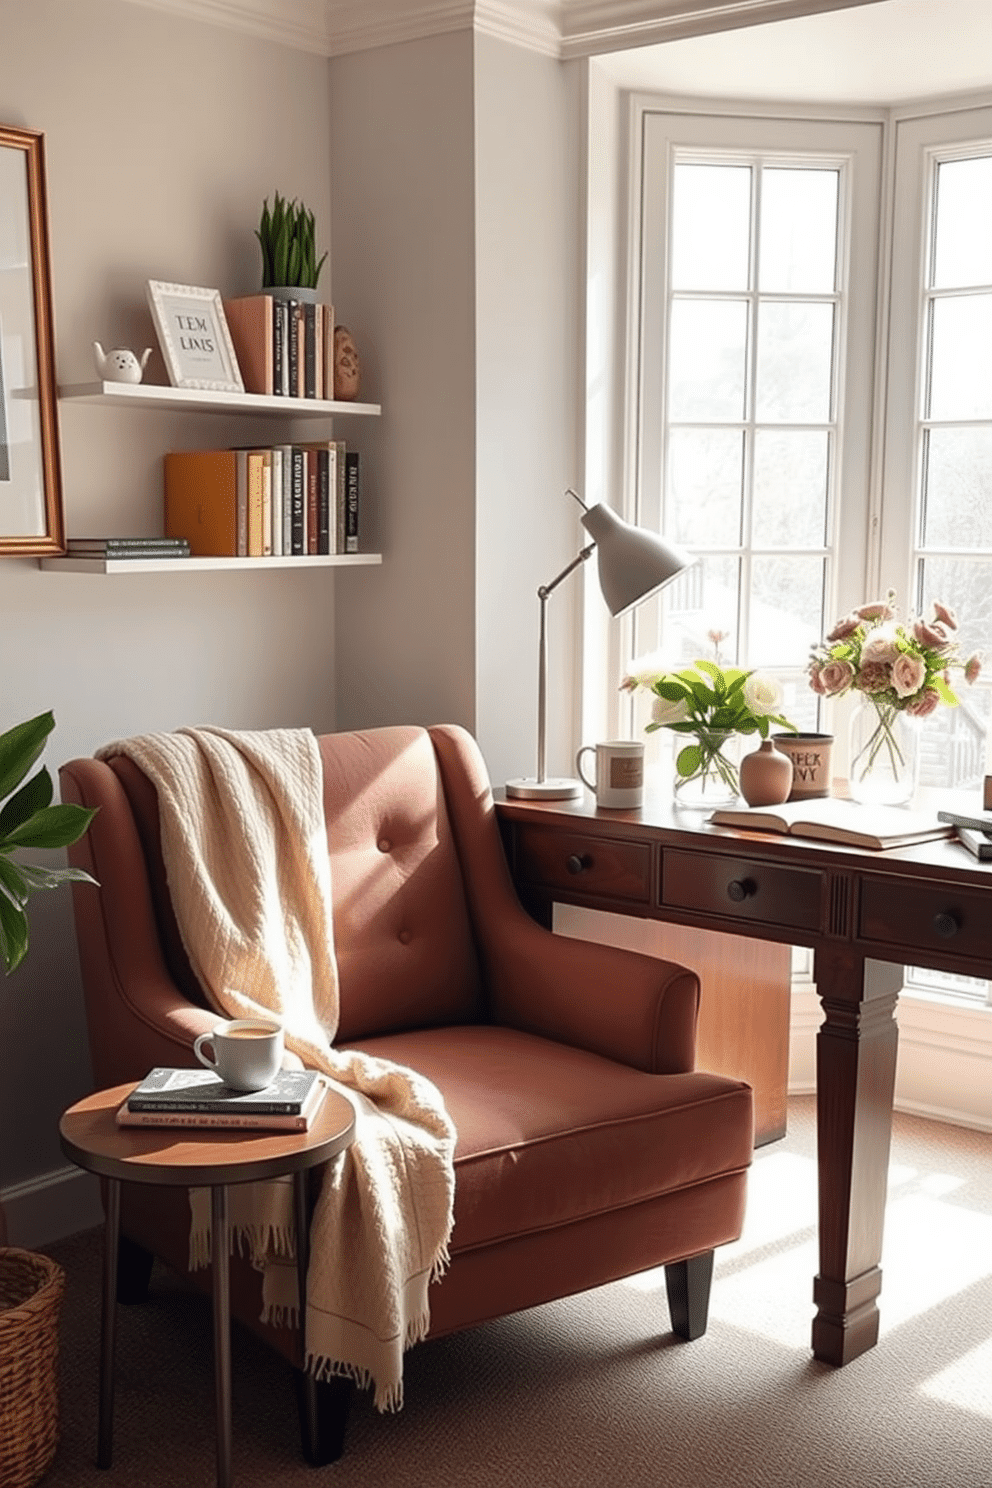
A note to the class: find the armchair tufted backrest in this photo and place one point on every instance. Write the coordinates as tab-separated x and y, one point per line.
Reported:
403	937
402	934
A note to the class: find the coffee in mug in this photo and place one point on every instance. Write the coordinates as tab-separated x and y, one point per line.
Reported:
619	779
245	1052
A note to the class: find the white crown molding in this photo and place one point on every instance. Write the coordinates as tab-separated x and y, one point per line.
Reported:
303	24
558	28
360	25
591	26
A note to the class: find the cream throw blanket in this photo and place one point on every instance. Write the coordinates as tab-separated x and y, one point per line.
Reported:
245	849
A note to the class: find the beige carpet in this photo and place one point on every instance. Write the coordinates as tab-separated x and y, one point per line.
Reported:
594	1390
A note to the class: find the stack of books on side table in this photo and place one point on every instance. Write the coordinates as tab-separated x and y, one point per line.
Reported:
199	1097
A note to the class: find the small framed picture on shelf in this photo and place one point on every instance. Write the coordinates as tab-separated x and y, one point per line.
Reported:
194	336
31	516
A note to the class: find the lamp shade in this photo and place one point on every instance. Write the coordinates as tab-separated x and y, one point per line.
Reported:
633	562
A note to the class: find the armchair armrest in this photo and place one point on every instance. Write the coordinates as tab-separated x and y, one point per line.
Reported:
633	1008
630	1007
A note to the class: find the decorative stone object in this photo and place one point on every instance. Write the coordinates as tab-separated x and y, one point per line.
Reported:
346	365
766	775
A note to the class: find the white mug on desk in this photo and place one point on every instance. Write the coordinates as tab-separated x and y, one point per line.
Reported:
619	780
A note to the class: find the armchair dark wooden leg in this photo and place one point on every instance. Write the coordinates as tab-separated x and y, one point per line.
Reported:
134	1269
688	1287
323	1407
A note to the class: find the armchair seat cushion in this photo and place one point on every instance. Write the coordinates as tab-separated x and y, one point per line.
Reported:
549	1134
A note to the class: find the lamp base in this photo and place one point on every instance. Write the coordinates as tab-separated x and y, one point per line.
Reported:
555	788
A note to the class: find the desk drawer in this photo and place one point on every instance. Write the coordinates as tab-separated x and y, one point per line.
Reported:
742	889
922	917
584	865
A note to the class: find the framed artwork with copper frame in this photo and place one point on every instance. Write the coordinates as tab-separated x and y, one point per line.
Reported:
31	513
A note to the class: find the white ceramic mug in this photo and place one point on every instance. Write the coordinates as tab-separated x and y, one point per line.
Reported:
619	780
245	1052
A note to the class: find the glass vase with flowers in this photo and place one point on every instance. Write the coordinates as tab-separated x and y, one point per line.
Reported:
902	671
713	707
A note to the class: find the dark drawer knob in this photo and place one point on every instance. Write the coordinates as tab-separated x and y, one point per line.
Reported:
739	889
946	924
577	862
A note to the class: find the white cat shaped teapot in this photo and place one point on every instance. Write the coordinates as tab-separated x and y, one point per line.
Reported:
120	365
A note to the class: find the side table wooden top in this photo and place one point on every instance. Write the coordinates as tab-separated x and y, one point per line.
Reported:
186	1156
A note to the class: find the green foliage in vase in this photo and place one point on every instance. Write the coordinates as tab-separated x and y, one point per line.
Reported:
29	820
709	702
287	234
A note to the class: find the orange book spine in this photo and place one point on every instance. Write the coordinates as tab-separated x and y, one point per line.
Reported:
201	501
256	499
250	321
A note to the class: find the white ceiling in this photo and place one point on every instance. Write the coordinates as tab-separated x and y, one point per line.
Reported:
883	53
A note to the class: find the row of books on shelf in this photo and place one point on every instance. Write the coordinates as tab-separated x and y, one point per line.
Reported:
284	347
285	500
199	1098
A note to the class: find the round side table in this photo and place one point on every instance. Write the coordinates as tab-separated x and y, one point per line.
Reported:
189	1158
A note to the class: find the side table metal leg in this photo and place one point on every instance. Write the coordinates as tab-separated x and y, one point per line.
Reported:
222	1330
108	1324
308	1386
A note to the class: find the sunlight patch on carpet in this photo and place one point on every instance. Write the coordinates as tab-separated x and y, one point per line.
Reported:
935	1250
772	1298
967	1383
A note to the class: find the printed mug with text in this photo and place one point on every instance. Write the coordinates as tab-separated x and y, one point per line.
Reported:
619	780
811	763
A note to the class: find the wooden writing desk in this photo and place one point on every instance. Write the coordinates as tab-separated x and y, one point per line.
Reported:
928	905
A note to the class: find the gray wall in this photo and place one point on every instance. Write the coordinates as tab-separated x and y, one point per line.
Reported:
455	255
162	138
404	267
449	166
529	378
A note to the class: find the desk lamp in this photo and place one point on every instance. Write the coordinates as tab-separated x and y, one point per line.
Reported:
633	565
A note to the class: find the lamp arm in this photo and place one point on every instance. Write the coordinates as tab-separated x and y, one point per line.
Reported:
543	594
547	589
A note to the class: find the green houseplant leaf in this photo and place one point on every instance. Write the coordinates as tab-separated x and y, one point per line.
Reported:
29	820
287	236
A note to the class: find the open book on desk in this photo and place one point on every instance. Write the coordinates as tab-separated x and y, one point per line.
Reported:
830	819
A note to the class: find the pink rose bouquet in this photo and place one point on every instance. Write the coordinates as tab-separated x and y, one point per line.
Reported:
899	666
902	665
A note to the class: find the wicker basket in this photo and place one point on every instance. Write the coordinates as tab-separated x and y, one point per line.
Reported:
31	1288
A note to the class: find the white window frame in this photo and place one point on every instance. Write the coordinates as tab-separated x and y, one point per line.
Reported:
946	1047
919	141
852	139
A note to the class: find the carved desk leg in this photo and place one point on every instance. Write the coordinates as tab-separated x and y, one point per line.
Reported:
855	1079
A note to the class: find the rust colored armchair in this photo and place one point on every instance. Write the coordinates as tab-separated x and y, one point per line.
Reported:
588	1147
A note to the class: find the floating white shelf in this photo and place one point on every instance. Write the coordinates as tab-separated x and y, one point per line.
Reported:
148	395
200	565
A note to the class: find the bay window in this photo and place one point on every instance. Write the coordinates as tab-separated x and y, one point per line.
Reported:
810	307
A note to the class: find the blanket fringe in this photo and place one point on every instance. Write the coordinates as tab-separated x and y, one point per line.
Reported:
387	1398
257	1241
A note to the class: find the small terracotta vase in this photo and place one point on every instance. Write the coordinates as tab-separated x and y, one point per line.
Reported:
766	775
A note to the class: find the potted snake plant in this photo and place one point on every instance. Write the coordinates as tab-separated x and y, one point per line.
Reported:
287	235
